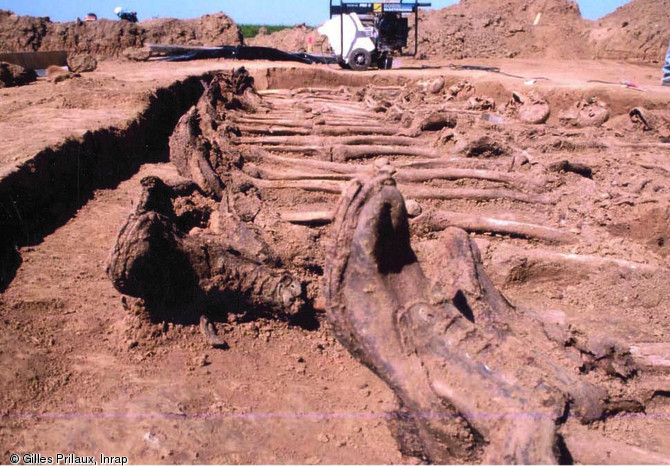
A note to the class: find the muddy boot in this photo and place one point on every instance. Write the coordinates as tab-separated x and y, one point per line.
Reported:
463	394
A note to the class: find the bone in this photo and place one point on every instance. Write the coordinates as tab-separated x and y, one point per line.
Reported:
428	192
345	121
273	174
339	111
355	130
350	115
339	104
654	167
325	151
328	106
407	175
278	130
260	154
302	123
439	220
589	446
417	175
325	98
341	91
411	192
191	155
273	92
273	114
332	141
209	333
343	153
437	362
273	122
573	167
312	218
449	161
652	356
640	145
306	185
578	260
274	130
324	90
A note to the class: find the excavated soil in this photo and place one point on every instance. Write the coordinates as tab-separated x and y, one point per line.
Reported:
107	38
477	28
522	28
637	30
545	29
299	38
548	29
89	371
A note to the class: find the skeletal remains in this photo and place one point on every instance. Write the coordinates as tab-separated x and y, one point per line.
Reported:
476	379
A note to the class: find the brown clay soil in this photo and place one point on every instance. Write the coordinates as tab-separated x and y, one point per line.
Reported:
547	29
479	28
637	30
295	39
85	370
109	38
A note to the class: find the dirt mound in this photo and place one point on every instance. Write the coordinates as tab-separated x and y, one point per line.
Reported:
522	28
296	39
110	38
13	75
545	29
516	28
638	30
82	63
214	29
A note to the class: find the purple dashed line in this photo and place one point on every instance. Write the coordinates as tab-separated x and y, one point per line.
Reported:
260	416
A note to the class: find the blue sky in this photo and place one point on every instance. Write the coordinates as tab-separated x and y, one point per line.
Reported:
288	12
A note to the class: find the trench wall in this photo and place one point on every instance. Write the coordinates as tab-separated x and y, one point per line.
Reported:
561	97
42	193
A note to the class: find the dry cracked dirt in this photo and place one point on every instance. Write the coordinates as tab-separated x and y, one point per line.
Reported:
295	264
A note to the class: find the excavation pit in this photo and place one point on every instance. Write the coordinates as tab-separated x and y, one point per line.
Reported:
573	250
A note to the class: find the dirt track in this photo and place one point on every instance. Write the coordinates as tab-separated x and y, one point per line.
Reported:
82	372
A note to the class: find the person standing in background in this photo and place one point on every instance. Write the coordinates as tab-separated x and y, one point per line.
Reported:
124	15
666	69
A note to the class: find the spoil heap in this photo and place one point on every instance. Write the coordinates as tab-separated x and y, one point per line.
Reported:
479	28
110	38
294	39
638	30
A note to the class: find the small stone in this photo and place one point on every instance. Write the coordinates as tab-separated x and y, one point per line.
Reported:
14	75
137	54
202	360
435	86
413	208
82	63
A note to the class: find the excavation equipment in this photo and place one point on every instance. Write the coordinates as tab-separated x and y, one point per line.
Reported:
364	34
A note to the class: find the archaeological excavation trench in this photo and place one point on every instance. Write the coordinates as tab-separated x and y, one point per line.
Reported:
40	194
397	212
